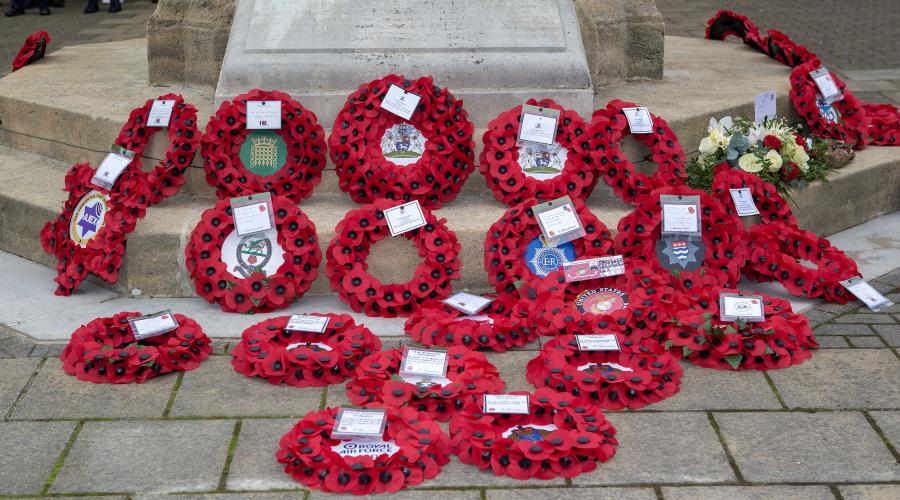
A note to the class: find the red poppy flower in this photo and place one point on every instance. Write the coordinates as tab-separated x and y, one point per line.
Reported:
33	49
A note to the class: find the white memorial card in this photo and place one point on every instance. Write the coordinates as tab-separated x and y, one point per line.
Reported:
405	217
868	295
359	422
307	323
680	219
743	202
829	90
538	125
507	404
252	214
764	107
400	102
467	303
734	307
263	115
152	325
424	362
558	220
639	120
112	167
160	113
598	342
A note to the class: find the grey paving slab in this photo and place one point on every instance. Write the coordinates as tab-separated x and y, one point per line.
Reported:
869	319
457	474
832	342
815	315
746	492
29	450
842	378
146	456
574	494
215	389
832	329
410	495
511	366
692	451
870	491
704	389
835	308
337	396
54	394
14	374
285	495
889	423
890	333
807	447
254	466
866	342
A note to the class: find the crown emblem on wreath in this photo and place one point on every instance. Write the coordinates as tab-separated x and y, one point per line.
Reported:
263	152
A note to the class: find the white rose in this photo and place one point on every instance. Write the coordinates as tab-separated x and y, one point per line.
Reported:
750	163
708	147
801	159
774	160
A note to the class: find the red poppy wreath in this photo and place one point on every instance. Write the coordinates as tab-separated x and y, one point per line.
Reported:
105	351
347	269
303	359
726	23
699	336
537	171
614	379
884	123
412	450
607	130
469	376
286	161
772	207
844	120
377	154
256	272
34	48
562	436
514	248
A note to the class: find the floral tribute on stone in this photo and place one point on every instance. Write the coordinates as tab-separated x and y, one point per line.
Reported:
105	351
561	436
772	207
377	154
257	272
303	359
843	120
412	450
34	48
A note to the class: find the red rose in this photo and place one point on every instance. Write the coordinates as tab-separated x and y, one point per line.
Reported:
772	142
790	172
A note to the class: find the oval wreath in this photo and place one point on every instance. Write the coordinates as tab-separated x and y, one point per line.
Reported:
536	171
418	449
607	130
377	154
772	207
347	269
303	359
469	376
514	248
167	176
562	436
614	379
844	120
300	140
699	336
257	272
105	351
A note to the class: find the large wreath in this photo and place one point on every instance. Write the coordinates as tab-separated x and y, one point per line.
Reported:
303	359
240	273
433	152
469	376
307	452
562	168
844	120
303	141
726	23
614	379
516	235
884	123
105	351
34	48
562	436
772	207
347	269
607	130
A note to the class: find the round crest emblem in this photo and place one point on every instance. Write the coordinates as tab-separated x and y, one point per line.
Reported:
88	218
263	152
543	258
403	144
258	252
601	301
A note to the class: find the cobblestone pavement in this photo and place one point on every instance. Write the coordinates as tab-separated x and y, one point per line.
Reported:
859	39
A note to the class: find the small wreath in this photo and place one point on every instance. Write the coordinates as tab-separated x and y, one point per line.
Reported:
542	172
347	269
562	436
772	207
884	123
258	272
775	254
515	250
308	455
167	176
34	48
469	376
614	379
105	351
726	23
699	336
844	120
497	327
303	359
607	130
235	167
377	154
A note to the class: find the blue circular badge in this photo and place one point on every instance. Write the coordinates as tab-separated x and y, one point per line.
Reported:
543	258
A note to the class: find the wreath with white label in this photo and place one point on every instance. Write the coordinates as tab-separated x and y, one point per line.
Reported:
844	120
772	207
256	272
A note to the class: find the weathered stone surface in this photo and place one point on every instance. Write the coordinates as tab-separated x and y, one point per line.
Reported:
159	457
831	329
226	496
832	342
456	474
511	366
254	466
29	450
890	333
409	495
868	319
806	447
869	491
746	492
704	389
889	423
14	374
574	494
866	342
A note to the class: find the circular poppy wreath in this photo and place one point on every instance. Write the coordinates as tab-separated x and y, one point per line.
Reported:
505	175
884	123
562	436
508	239
851	126
775	254
258	291
34	48
303	359
725	251
699	336
105	351
347	269
772	207
303	138
470	375
786	51
167	176
614	379
308	456
607	130
445	161
726	23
